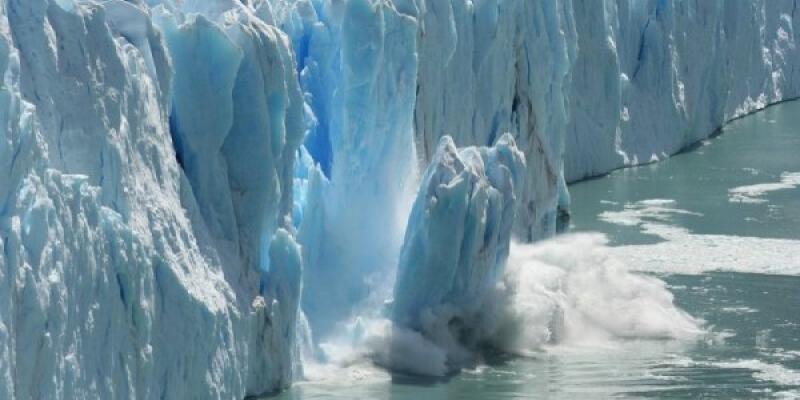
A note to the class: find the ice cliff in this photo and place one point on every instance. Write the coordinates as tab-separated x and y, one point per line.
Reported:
133	244
195	193
652	77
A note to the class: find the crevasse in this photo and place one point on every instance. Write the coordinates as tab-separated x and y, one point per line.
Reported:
196	193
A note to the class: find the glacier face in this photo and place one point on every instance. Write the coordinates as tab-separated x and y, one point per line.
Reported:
189	186
119	277
652	77
358	69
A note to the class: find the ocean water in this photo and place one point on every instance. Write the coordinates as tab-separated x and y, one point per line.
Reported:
720	225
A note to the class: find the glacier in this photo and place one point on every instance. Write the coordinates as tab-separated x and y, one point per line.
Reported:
675	73
197	194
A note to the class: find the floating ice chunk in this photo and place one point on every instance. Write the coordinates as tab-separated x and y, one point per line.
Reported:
644	211
755	193
685	252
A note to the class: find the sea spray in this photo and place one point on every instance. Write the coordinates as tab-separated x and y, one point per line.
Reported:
569	291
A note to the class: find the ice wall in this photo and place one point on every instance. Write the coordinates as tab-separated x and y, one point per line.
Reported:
132	258
358	67
652	77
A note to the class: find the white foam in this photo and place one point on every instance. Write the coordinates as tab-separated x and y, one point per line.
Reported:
765	371
564	293
689	253
755	193
378	342
739	310
637	213
779	353
788	394
761	370
573	290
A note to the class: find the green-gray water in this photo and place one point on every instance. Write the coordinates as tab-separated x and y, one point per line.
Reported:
720	224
